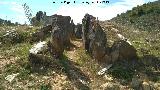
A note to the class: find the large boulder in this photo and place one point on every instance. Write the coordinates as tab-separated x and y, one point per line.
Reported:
37	53
94	38
122	50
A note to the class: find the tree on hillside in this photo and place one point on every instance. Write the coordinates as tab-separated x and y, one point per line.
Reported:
38	19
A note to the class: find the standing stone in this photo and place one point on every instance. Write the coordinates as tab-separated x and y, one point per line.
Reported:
56	43
94	38
78	31
64	23
86	29
98	43
72	30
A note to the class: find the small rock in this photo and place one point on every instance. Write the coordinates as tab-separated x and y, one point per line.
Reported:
121	37
83	81
11	77
46	77
102	71
108	78
115	30
38	47
157	86
110	86
135	82
146	86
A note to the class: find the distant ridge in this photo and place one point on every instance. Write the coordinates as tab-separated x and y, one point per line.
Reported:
145	17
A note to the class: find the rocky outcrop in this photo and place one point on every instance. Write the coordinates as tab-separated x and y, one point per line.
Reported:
94	41
61	31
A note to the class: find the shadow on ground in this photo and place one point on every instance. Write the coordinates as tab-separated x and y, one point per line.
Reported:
125	70
66	66
75	75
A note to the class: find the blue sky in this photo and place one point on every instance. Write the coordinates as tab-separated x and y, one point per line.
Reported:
13	10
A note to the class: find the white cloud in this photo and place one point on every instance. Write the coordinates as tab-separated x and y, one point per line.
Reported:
78	10
17	8
3	2
16	12
102	11
14	6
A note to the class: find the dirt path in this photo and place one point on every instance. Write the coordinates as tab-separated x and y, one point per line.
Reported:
72	54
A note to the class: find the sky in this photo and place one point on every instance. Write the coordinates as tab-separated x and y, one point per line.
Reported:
13	10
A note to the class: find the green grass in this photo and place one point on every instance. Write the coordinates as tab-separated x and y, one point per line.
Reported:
18	54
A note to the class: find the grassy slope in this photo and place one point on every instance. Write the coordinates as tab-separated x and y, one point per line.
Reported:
76	64
145	17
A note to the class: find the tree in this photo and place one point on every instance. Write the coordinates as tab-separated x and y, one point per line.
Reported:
39	16
27	12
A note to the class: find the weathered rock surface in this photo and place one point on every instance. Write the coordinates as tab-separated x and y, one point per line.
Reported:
47	29
78	31
94	38
146	86
110	86
41	34
56	43
121	50
135	83
72	30
87	29
37	53
37	36
64	23
62	32
157	86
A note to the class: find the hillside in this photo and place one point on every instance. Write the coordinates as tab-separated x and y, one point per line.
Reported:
31	57
76	70
145	17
